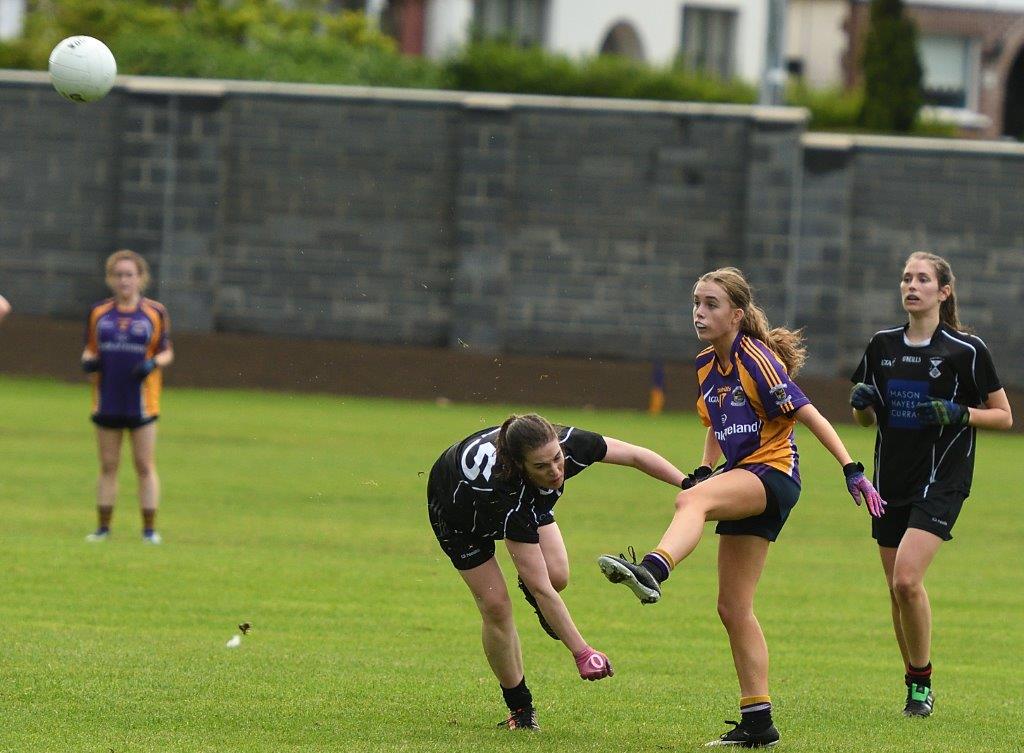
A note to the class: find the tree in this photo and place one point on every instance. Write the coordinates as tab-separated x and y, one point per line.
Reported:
892	70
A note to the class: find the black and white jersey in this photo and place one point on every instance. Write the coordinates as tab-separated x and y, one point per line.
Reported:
913	460
474	500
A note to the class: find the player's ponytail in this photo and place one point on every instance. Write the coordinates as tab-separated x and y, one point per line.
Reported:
948	313
787	345
517	436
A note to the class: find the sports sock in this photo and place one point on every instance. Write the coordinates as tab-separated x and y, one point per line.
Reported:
659	563
756	712
148	521
919	675
104	513
518	697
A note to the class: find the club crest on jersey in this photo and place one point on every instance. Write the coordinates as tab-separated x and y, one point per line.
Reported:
738	397
934	372
780	395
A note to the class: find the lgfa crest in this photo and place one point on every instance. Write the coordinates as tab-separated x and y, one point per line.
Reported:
934	372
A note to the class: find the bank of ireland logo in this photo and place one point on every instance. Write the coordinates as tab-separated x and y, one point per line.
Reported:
934	372
738	397
724	419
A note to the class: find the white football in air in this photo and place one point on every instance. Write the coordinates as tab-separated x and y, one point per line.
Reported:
82	69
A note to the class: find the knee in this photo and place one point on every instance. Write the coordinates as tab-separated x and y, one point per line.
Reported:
682	501
145	468
559	578
905	588
732	614
108	467
495	610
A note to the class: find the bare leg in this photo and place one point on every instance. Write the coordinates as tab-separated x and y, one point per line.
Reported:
108	442
144	451
732	495
500	639
888	555
916	552
740	562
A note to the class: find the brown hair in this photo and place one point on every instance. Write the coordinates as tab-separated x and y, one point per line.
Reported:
948	313
517	436
125	254
787	345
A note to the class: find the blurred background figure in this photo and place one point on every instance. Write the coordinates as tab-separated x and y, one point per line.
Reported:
127	346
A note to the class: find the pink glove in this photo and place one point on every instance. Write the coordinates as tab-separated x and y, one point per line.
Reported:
859	487
593	665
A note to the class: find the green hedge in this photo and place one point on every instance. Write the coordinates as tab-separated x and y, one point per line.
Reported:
496	66
265	40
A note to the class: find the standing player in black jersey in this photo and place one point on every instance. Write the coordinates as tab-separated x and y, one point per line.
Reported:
503	483
928	386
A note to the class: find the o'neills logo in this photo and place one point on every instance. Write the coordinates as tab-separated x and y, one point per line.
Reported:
753	428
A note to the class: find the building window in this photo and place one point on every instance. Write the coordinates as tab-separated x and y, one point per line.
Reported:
709	41
948	64
519	21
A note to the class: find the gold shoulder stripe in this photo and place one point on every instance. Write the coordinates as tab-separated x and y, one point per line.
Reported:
769	372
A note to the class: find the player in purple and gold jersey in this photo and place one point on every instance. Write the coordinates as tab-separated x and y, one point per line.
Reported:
749	402
127	345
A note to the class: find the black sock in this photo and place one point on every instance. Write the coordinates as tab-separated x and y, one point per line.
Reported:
919	675
518	697
756	715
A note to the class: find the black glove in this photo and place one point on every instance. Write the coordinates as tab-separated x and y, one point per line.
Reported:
144	369
699	474
936	412
863	396
91	365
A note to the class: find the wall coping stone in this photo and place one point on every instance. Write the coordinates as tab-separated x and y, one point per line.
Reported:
468	100
848	142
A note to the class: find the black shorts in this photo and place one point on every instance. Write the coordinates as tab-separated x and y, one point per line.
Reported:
935	513
781	493
123	422
465	552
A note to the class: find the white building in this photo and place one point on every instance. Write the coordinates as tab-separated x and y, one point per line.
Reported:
12	18
726	37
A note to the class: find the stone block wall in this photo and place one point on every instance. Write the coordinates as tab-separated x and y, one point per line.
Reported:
502	224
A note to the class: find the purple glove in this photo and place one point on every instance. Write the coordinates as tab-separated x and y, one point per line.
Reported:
593	665
859	487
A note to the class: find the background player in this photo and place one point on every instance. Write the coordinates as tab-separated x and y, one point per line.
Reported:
927	385
127	345
5	308
749	403
503	483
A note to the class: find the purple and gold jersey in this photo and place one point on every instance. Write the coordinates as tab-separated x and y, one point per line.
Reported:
123	340
749	403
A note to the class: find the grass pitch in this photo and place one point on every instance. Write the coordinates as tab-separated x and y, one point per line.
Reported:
305	515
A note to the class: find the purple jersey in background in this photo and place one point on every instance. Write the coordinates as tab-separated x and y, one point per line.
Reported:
123	340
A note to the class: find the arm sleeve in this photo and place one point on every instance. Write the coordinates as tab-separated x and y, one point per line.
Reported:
582	449
89	336
863	372
779	394
985	376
